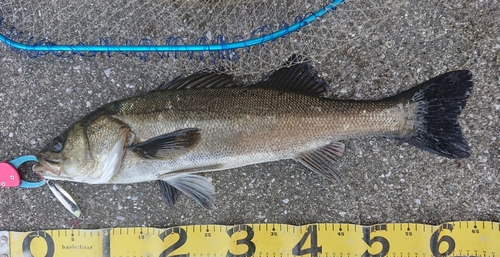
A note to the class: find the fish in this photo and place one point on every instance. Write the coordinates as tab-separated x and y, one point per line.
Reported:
207	122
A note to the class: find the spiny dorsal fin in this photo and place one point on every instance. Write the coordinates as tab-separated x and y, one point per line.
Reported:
299	77
199	80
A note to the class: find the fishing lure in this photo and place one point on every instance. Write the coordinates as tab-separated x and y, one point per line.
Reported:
66	200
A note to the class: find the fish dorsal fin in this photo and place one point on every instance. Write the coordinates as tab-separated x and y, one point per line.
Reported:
299	77
199	80
324	160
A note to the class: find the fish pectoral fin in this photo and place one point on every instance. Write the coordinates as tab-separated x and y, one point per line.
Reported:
168	145
324	160
168	192
197	187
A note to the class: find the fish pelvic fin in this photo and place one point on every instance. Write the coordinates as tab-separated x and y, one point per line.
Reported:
438	103
168	192
197	187
168	145
324	160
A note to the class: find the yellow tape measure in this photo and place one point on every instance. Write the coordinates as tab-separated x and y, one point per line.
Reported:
471	238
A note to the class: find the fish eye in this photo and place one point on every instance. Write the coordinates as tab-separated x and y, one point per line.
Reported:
57	144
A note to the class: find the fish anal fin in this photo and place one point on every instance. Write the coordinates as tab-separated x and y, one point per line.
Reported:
324	160
168	192
168	145
197	187
297	76
199	80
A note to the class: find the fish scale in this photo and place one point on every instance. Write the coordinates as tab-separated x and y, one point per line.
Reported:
268	111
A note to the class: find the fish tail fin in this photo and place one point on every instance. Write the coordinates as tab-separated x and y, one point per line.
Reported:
438	103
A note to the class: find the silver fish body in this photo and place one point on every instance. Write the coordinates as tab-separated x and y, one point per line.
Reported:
244	129
205	122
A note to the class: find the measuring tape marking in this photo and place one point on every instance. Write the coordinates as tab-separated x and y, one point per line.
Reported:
476	238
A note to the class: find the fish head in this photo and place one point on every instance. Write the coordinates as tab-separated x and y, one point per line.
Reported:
90	151
65	155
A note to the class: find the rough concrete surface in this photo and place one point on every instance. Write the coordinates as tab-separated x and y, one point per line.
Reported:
383	180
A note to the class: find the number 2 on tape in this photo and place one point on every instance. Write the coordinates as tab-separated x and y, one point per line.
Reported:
180	242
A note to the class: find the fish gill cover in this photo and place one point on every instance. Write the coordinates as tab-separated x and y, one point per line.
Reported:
192	22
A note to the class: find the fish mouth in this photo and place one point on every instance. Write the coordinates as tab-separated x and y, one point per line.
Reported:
47	165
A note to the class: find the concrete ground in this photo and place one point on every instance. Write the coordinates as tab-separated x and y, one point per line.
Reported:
383	180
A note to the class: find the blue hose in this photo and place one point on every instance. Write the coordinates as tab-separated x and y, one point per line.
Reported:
174	48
